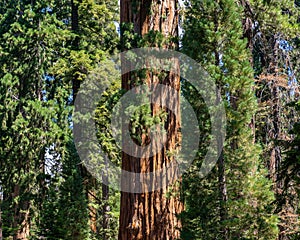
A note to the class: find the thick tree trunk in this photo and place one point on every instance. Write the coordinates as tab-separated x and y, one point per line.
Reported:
151	215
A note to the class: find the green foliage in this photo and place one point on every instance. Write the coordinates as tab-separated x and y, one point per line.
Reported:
130	39
38	61
213	36
143	122
275	61
32	115
103	115
65	210
96	37
41	175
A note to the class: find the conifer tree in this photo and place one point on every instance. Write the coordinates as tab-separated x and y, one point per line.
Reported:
213	36
32	114
93	36
271	27
37	65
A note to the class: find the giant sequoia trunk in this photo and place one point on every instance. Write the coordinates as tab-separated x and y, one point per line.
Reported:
151	215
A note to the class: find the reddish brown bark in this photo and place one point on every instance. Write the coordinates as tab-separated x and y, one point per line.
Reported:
20	217
151	215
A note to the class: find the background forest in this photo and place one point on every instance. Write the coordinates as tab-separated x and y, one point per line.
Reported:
250	48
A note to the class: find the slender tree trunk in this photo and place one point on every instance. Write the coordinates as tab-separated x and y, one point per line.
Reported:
106	208
151	215
91	196
21	216
1	201
1	238
223	196
89	181
248	33
75	44
274	135
15	212
0	224
248	26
